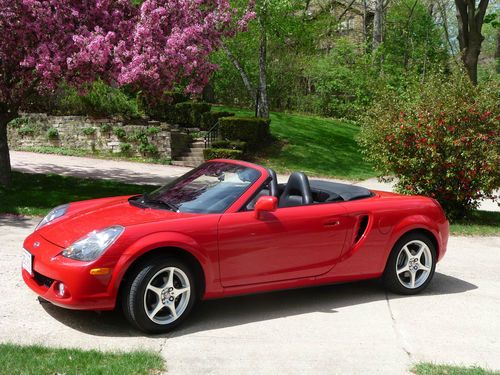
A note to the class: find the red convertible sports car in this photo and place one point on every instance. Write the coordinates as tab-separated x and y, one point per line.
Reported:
228	228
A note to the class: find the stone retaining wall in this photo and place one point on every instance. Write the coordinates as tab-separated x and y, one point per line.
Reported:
149	138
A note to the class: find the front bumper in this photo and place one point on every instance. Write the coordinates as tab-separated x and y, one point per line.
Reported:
83	291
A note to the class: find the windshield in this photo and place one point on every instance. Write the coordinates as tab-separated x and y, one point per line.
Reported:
210	188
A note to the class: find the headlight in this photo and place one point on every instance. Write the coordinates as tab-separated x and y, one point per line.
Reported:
52	215
93	244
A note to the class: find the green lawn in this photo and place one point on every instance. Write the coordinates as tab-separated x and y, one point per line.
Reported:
17	359
315	145
479	223
432	369
36	194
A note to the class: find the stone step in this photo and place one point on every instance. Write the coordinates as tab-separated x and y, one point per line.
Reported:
198	145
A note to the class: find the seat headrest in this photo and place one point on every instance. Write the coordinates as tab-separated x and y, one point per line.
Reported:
273	184
297	185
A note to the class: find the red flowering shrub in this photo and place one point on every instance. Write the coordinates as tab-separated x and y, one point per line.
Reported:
441	139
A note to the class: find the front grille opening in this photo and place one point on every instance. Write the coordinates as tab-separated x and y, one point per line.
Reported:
363	223
43	280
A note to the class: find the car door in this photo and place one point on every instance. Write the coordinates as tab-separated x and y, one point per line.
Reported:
289	243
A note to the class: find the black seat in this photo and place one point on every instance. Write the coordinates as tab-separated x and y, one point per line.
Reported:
297	191
273	184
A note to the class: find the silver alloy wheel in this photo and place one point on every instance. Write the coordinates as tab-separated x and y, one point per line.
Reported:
167	295
414	264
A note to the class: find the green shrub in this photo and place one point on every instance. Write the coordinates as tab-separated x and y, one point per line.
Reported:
209	119
148	149
120	132
221	153
440	139
106	128
27	130
52	133
99	100
152	130
252	130
163	109
88	131
125	148
19	122
189	114
138	136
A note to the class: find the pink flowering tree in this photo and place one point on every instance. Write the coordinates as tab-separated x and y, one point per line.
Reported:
152	47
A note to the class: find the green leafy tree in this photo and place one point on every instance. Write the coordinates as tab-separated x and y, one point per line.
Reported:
413	43
271	38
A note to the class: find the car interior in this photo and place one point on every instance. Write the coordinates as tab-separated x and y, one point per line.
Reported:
300	191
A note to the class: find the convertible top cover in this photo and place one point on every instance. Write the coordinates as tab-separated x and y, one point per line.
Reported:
345	191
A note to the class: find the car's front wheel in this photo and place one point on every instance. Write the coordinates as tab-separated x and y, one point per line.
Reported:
159	295
411	264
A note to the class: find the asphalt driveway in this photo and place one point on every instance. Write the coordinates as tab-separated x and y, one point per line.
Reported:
352	328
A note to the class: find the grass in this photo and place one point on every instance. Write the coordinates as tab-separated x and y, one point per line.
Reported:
478	223
432	369
35	359
97	155
314	145
36	194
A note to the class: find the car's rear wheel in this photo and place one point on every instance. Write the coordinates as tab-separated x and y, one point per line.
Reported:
159	295
411	264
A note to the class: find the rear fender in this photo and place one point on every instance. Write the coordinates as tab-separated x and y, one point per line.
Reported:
414	222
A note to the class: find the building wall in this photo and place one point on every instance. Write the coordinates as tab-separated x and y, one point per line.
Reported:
152	138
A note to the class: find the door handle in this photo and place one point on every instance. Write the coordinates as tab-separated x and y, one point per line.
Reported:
331	223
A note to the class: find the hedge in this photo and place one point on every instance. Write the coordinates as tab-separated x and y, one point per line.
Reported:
221	153
252	130
209	119
189	114
185	114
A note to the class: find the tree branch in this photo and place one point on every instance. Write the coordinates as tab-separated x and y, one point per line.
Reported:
483	5
345	10
463	23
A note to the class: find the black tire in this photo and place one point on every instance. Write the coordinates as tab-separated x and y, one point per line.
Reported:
402	284
134	301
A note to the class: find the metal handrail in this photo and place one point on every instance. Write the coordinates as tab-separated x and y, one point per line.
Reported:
212	135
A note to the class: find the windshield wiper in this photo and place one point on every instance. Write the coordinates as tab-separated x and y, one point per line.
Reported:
147	199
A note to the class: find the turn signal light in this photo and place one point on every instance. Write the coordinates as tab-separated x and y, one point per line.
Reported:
99	271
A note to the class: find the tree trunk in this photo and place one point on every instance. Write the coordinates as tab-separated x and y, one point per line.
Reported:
378	23
470	58
5	171
263	103
243	74
470	22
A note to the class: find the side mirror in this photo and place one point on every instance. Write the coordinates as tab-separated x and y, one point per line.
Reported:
265	204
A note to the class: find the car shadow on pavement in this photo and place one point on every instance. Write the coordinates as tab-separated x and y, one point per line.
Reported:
215	314
17	221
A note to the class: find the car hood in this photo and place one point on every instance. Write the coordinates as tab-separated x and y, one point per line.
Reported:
84	217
